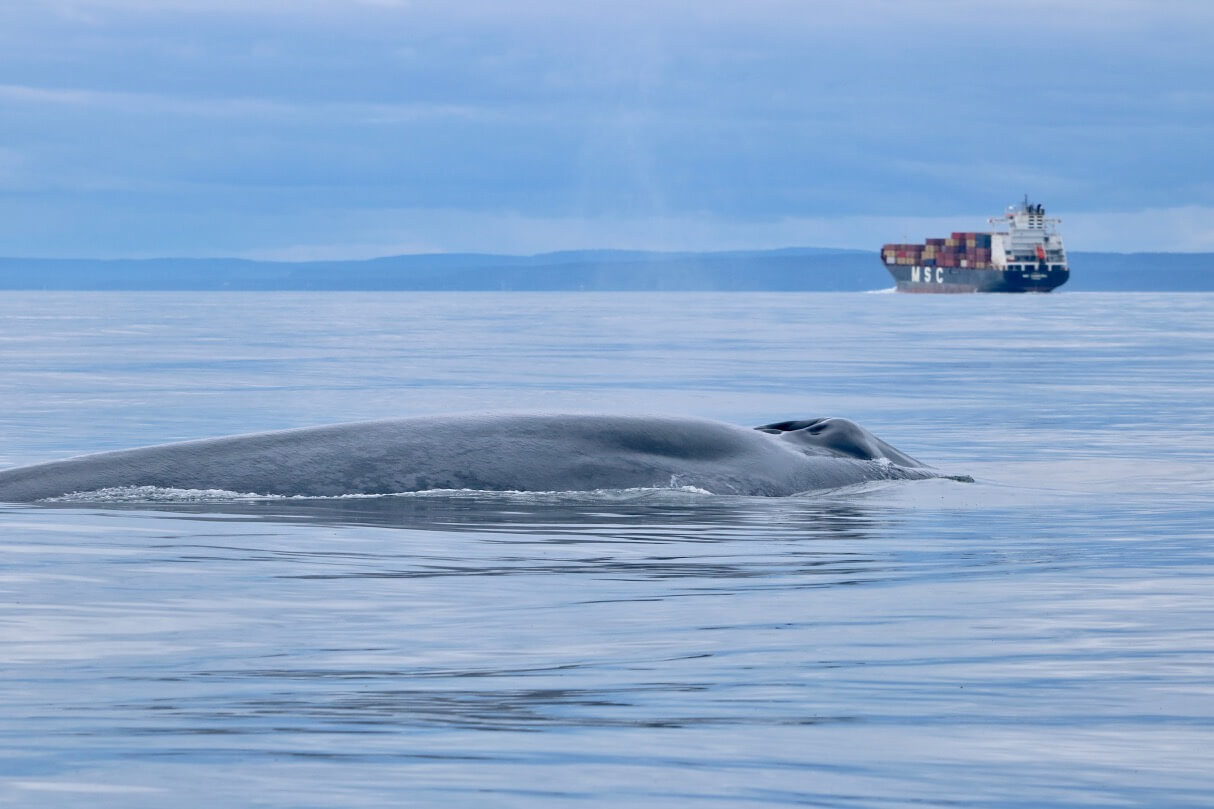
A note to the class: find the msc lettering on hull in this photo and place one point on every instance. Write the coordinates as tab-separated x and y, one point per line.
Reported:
926	274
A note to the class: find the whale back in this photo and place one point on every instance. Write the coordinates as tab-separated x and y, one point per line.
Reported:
519	452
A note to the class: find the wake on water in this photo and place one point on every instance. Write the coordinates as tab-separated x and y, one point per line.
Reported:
153	495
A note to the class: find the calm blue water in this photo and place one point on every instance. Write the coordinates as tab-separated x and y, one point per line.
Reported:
1041	637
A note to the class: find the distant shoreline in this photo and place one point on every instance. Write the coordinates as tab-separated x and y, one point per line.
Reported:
798	269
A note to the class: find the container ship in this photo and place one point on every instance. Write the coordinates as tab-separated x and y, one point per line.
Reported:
1026	257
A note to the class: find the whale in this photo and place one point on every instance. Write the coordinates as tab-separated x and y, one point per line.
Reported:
523	452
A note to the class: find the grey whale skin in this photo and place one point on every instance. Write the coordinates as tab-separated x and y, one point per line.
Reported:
512	452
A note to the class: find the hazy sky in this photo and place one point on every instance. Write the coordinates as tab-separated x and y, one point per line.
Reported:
352	128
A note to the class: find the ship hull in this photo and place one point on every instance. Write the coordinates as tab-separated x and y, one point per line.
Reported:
943	280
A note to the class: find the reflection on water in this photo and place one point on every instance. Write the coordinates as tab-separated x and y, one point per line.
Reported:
559	534
840	512
363	709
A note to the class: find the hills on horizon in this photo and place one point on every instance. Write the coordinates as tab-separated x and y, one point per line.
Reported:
791	269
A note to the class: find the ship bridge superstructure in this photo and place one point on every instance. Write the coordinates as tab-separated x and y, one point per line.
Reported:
1031	239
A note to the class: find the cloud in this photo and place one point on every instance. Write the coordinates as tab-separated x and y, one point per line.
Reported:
399	231
590	124
1185	229
244	109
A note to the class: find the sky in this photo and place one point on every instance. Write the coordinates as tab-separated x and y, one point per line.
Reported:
325	129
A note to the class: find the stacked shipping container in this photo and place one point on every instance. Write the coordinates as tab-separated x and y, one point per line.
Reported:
971	250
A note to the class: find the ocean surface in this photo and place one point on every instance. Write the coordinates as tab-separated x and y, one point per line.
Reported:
1040	637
